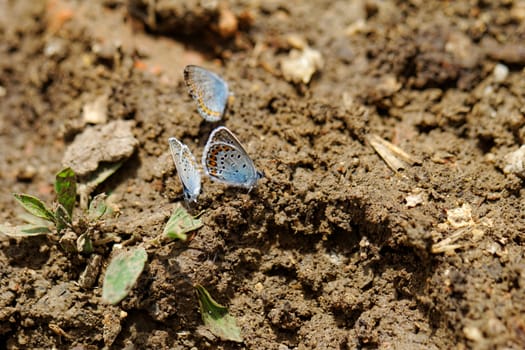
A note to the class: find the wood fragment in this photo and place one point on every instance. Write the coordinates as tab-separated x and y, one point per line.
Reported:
447	244
393	156
59	331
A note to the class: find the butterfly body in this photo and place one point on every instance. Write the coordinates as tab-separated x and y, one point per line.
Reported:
209	91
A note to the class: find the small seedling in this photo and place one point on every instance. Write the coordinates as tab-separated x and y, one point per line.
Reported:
216	317
180	223
42	220
98	207
122	274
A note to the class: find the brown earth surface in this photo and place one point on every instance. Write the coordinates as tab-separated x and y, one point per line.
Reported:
333	249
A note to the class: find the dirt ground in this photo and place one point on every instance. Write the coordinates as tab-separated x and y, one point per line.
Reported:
333	249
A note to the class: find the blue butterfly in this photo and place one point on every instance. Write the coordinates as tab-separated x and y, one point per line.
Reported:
225	160
209	91
187	170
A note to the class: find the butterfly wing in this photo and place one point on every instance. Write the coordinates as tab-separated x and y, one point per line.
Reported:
224	135
187	169
230	165
209	91
226	161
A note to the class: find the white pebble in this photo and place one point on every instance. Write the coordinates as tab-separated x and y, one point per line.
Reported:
460	217
473	333
95	112
501	72
300	66
515	162
414	200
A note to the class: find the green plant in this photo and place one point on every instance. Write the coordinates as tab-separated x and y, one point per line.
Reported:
126	267
74	236
180	223
41	219
122	274
216	317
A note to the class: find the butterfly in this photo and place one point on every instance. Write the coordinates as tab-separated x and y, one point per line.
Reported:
225	160
209	91
187	169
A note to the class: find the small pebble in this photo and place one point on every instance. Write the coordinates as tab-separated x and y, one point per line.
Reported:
300	66
473	333
95	112
296	41
515	162
106	49
55	48
501	72
414	200
228	24
460	217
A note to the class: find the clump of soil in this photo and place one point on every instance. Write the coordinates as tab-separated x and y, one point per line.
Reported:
333	249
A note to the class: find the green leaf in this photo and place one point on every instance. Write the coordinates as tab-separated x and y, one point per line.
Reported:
122	274
63	219
216	317
98	207
34	206
24	230
180	223
66	189
31	219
